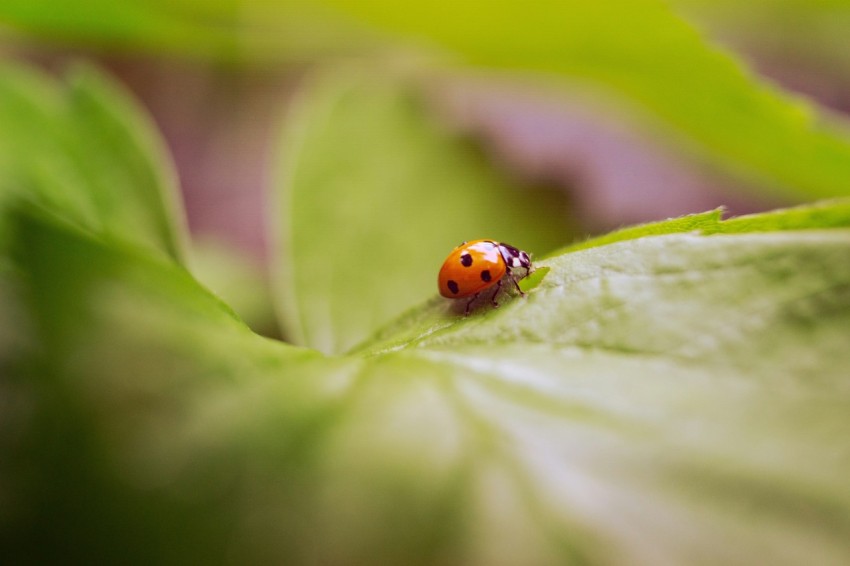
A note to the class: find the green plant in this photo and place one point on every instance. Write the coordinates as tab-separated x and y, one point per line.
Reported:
673	392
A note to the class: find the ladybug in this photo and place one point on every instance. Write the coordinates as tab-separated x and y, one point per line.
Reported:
475	266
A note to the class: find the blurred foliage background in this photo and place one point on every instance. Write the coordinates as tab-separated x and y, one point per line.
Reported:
170	169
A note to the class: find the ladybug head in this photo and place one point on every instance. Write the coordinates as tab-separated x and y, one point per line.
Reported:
514	258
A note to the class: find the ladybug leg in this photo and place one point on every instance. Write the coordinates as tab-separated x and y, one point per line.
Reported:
469	304
496	294
516	284
515	281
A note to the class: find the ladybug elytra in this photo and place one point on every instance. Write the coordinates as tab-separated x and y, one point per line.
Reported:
476	266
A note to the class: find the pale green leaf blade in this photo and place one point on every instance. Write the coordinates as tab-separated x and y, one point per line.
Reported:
440	320
823	214
373	193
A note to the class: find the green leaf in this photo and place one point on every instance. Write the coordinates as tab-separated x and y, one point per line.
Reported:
824	214
639	55
653	400
439	320
770	30
238	280
228	31
645	56
373	193
124	351
86	152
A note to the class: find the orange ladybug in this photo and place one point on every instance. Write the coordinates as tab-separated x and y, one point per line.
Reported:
475	266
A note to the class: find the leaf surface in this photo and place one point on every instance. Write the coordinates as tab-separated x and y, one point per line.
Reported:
688	389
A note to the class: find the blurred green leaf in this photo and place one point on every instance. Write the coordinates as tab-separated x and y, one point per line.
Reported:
103	406
227	31
645	55
805	35
373	194
88	154
239	280
684	389
640	54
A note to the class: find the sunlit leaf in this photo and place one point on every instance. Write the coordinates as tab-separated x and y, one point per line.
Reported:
439	320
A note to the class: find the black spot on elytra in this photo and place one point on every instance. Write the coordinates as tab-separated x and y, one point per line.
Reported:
485	275
466	260
452	285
